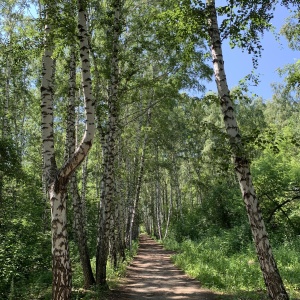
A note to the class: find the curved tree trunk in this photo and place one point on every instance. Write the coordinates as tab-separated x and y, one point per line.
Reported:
78	207
266	259
57	179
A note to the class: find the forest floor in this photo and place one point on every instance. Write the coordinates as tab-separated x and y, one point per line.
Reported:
152	275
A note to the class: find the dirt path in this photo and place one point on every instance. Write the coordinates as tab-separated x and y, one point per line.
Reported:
152	275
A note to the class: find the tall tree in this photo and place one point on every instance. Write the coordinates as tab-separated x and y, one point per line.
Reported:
266	259
57	179
110	144
133	215
78	206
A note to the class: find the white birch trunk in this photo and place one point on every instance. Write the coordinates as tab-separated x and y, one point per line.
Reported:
86	142
158	197
266	259
47	111
78	207
169	212
57	180
139	182
102	239
83	189
110	151
61	267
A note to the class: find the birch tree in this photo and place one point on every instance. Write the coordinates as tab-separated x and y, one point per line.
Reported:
109	145
134	213
57	179
265	256
78	204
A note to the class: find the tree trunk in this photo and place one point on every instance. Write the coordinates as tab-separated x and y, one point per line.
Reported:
110	151
117	234
169	210
102	248
139	183
83	189
61	265
158	197
266	259
57	180
79	213
81	235
177	190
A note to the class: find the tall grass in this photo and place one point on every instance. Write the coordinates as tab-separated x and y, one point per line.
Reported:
227	263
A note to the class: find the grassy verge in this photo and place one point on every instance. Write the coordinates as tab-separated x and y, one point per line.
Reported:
232	269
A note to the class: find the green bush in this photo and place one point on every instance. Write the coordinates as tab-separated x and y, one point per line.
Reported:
24	254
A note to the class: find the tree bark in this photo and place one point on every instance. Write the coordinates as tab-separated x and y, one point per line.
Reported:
57	179
61	265
158	197
139	183
169	210
272	278
110	151
78	208
102	248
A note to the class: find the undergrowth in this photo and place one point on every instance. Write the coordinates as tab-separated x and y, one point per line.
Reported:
113	277
227	263
40	284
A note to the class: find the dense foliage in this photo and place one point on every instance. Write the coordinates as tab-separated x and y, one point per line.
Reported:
173	174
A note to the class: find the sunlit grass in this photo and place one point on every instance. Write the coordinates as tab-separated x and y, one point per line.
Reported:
235	270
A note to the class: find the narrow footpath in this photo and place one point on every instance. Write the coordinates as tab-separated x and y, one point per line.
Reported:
151	275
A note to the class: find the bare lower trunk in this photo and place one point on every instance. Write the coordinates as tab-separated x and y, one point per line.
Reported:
81	236
158	198
102	246
61	266
266	259
117	231
102	241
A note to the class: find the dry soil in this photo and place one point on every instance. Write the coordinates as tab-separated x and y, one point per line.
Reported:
151	275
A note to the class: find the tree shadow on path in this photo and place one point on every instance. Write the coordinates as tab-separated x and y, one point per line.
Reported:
152	275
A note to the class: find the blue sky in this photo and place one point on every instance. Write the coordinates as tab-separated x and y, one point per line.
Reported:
275	55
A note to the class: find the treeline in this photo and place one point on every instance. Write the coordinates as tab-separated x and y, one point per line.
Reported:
160	158
210	230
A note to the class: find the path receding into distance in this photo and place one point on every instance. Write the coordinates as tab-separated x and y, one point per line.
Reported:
151	275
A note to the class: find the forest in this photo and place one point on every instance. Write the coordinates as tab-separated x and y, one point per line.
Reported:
107	130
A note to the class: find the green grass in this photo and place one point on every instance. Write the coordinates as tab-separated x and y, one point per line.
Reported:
231	268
